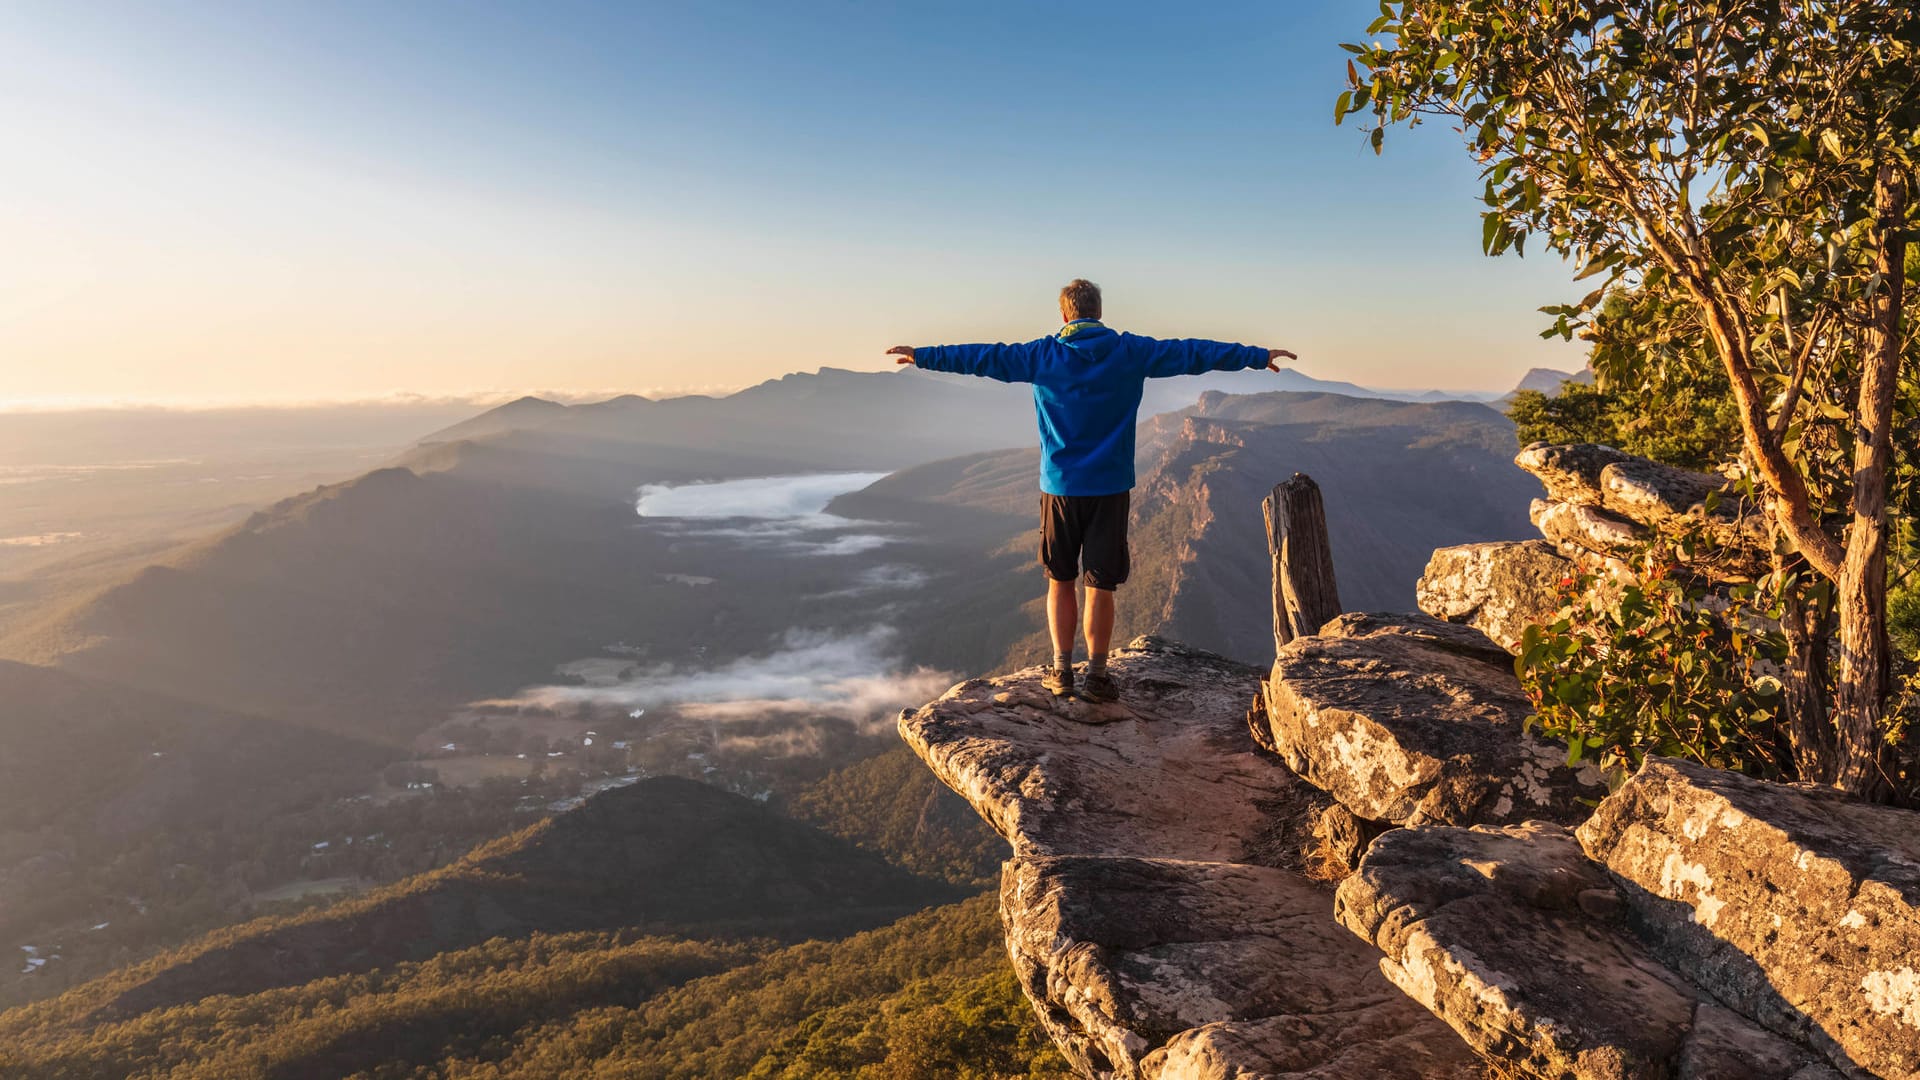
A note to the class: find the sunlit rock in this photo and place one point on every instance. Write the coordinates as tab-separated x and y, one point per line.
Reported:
1570	473
1498	588
1512	936
1155	908
1171	969
1586	527
1409	720
1168	770
1795	905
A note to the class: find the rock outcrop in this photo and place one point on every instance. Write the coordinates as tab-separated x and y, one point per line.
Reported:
1167	771
1410	720
1165	905
1611	499
1172	968
1499	587
1601	505
1155	911
1698	924
1795	905
1517	940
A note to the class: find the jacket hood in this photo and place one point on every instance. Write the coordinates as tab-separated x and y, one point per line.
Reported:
1090	338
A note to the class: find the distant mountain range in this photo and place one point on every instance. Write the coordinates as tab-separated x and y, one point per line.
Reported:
788	416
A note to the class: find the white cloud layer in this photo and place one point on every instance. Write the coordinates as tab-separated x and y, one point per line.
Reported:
854	677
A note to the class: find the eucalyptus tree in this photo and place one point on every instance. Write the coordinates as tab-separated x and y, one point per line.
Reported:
1751	159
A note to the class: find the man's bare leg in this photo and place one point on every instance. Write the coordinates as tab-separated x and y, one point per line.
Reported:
1099	621
1062	615
1100	686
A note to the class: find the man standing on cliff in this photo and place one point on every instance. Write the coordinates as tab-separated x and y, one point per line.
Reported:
1087	381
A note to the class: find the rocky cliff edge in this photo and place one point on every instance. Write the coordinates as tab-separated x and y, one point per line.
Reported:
1171	906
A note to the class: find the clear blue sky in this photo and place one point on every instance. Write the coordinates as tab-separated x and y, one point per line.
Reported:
233	200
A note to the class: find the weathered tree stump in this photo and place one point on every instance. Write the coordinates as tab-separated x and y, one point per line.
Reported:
1304	593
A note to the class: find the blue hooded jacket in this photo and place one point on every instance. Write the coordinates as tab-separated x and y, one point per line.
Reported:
1087	380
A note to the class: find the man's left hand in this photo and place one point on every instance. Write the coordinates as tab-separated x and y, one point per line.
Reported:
1273	357
904	352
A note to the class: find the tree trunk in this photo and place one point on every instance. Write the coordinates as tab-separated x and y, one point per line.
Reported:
1804	699
1305	596
1862	684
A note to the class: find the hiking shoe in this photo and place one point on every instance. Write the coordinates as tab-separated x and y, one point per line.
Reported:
1058	681
1101	688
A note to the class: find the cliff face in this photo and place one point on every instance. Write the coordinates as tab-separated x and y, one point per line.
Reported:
1399	480
1168	905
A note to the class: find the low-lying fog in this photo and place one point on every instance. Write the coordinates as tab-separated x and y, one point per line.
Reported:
857	676
821	673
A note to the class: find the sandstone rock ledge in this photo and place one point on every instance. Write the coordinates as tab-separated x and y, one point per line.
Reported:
1153	912
1701	924
1600	505
1517	940
1797	906
1410	720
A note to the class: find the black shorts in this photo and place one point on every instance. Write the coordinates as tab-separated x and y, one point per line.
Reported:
1089	530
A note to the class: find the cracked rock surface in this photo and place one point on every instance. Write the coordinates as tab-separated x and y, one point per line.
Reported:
1152	910
1516	939
1168	770
1410	720
1794	905
1170	968
1601	505
1600	500
1499	588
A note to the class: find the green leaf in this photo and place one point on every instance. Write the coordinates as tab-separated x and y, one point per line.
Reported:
1598	266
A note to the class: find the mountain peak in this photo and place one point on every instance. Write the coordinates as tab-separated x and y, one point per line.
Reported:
522	412
1548	380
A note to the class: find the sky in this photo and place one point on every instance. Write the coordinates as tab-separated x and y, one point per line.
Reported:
243	202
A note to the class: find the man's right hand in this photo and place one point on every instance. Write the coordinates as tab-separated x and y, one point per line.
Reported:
904	352
1273	356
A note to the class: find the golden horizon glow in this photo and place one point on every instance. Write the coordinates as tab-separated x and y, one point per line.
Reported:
249	216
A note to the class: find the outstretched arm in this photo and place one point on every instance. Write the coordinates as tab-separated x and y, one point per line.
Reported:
1193	356
1007	363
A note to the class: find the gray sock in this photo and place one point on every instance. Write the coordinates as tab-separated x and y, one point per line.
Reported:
1063	661
1097	663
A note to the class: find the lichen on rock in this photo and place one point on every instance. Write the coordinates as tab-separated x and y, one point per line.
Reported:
1794	904
1498	932
1409	720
